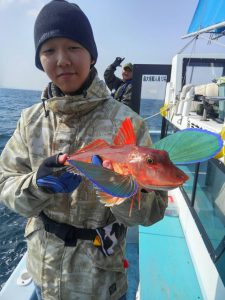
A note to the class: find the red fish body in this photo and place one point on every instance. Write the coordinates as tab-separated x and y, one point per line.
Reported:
150	168
136	167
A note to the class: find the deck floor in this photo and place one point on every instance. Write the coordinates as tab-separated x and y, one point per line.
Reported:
166	269
132	255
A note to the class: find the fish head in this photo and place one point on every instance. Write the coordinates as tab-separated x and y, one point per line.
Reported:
153	169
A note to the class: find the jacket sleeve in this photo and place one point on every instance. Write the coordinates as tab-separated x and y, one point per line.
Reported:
152	204
152	209
18	187
111	80
126	99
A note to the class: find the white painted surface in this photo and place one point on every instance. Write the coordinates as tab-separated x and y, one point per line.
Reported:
210	283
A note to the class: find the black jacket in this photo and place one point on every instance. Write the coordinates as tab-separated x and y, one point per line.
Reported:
121	90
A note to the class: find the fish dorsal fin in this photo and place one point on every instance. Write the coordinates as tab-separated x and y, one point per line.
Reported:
126	134
95	145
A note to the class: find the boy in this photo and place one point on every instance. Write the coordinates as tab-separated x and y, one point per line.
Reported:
63	209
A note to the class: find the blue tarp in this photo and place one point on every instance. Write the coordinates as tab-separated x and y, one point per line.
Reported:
208	13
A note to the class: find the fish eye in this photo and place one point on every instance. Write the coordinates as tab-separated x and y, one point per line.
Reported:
149	160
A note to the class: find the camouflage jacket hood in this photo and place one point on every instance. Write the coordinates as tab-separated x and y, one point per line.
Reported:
76	105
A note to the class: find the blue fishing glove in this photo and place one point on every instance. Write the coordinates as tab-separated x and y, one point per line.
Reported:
59	181
117	62
96	160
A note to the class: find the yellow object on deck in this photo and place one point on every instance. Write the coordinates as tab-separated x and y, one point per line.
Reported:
163	110
222	151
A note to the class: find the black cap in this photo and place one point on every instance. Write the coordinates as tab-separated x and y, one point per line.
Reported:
60	18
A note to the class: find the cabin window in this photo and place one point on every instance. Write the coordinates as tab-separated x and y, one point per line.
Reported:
199	71
209	200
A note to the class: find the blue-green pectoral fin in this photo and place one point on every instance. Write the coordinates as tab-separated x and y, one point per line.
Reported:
190	145
107	180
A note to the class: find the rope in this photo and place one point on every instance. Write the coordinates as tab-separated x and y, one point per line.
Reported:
212	41
194	38
158	113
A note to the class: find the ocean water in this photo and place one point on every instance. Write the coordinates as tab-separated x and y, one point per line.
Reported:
149	110
13	244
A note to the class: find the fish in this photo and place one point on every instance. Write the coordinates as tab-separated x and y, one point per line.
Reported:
135	168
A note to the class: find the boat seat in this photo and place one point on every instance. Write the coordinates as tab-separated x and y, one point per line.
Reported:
207	90
187	99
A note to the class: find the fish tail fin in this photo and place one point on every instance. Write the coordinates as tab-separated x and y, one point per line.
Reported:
126	134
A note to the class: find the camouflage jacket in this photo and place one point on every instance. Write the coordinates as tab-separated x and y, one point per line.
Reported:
80	272
121	90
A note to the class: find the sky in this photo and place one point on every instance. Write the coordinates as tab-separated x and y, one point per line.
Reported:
142	31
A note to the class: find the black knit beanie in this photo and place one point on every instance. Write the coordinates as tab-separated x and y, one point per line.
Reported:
60	18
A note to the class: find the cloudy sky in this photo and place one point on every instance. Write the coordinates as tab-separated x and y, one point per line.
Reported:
142	31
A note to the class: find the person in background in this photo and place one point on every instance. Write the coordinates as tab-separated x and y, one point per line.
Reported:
121	88
65	216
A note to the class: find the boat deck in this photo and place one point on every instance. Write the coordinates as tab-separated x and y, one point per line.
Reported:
166	269
132	255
